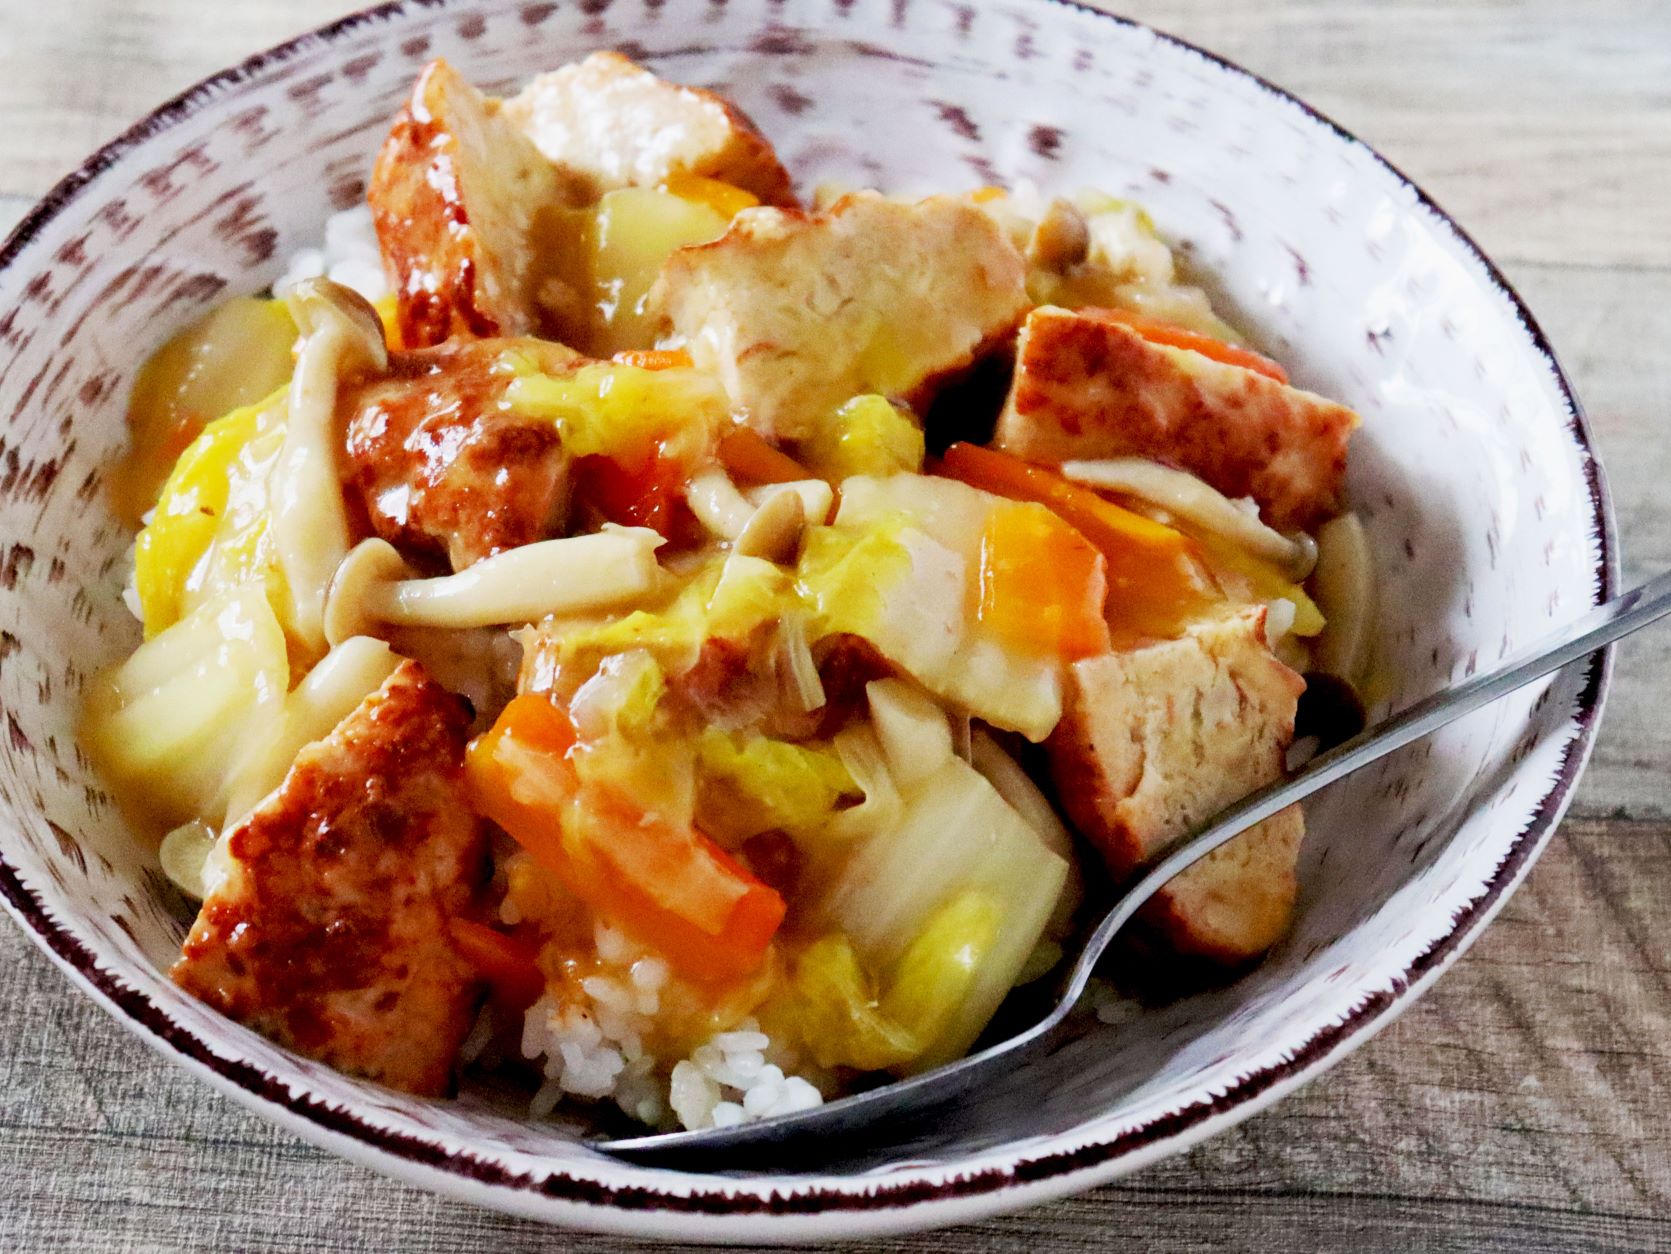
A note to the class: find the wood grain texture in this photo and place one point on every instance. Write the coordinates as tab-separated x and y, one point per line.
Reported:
1521	1105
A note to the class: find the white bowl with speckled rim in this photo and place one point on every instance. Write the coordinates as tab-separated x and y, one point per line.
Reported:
1474	473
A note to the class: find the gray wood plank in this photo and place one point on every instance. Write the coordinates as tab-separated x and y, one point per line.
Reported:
12	209
1612	328
1543	126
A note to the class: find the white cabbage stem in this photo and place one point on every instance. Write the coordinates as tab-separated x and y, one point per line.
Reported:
1191	499
1345	591
575	575
912	727
861	753
1025	797
333	689
341	338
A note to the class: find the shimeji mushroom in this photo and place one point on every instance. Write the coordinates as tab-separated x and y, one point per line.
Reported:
341	340
1191	499
578	574
774	530
717	504
767	522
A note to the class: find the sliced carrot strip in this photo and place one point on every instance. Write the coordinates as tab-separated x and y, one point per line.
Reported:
669	886
747	456
1173	336
506	962
1043	585
725	199
1156	579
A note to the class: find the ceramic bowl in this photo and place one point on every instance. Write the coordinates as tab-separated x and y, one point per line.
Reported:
1473	472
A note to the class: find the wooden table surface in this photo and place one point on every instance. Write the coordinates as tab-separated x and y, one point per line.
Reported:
1524	1104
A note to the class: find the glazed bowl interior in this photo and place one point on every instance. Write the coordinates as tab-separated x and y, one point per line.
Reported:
1472	472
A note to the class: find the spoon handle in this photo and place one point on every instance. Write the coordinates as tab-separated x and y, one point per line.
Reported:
1644	604
806	1135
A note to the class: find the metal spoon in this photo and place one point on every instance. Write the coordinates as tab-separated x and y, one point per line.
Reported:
775	1141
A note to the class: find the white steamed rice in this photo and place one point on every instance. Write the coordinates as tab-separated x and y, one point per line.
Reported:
594	1049
349	256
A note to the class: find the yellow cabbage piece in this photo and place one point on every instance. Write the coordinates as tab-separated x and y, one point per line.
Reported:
899	568
621	698
867	436
632	233
230	358
725	598
846	573
951	899
833	1006
657	773
832	1009
772	783
623	743
621	411
606	258
210	529
932	982
1260	580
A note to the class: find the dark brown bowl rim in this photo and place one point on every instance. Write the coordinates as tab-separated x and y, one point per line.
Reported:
878	1194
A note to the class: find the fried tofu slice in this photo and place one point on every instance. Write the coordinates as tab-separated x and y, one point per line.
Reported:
607	122
1088	387
1238	901
445	468
1154	742
328	930
455	195
798	313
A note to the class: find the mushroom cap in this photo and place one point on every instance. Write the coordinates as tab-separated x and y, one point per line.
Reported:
352	606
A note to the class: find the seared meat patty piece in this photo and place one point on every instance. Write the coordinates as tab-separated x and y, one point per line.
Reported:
798	313
605	122
328	929
444	467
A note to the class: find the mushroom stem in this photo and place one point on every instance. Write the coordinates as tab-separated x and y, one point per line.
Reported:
341	337
717	504
1191	499
521	585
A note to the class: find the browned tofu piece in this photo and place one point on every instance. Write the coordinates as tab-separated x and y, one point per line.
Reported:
606	123
798	313
328	932
454	195
442	466
1238	901
1088	387
1157	740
